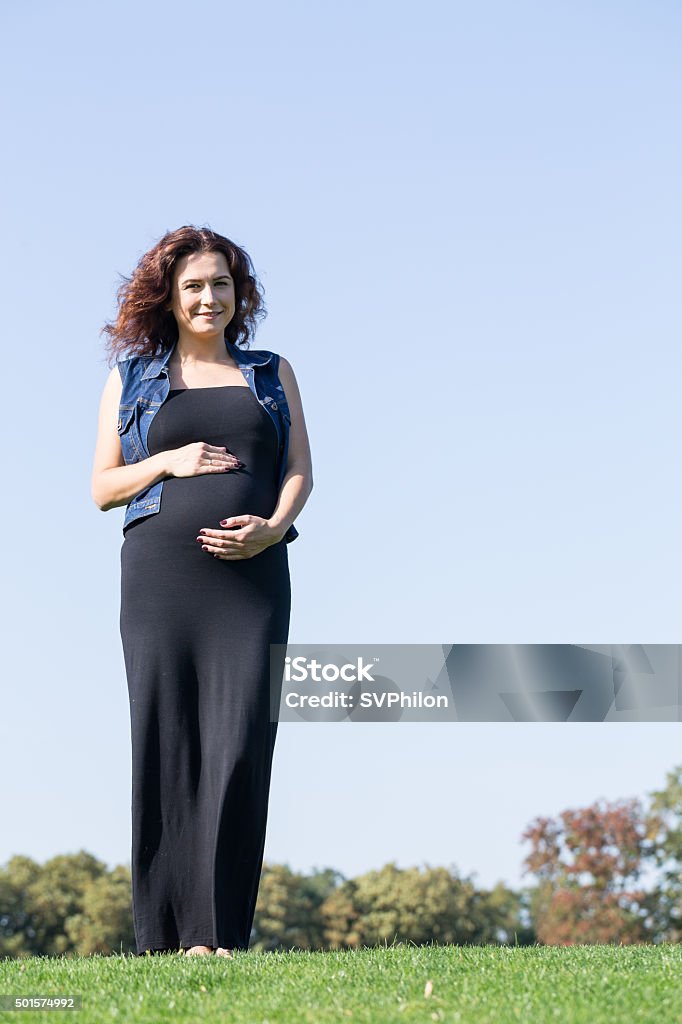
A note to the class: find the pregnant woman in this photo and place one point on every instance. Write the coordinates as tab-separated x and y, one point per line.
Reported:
205	443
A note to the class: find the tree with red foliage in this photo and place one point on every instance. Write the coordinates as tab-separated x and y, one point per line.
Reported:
587	865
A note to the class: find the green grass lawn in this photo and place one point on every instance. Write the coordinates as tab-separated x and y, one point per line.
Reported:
398	983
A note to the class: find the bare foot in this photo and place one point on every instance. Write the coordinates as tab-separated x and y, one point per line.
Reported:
199	950
224	952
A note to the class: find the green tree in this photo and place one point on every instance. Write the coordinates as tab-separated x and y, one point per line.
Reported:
70	904
288	908
415	905
665	830
105	922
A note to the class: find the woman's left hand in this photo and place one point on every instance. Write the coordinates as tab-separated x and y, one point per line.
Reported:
254	535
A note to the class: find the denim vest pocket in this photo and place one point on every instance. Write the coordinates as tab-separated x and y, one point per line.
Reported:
128	434
125	415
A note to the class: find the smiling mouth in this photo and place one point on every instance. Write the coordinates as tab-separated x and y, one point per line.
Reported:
210	316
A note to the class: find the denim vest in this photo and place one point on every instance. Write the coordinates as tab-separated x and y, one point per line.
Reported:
146	384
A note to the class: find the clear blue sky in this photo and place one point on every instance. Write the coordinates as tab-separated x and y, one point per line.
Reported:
466	218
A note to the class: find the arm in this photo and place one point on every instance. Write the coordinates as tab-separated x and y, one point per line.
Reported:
298	480
113	483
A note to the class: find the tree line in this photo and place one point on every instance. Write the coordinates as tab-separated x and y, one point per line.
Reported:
585	869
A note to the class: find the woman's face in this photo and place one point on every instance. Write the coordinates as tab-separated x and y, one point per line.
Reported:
202	284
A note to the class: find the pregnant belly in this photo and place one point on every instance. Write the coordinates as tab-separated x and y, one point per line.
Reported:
189	504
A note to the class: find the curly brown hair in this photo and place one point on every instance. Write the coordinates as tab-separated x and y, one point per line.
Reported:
144	327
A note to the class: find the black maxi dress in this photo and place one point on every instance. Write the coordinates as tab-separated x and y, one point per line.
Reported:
196	633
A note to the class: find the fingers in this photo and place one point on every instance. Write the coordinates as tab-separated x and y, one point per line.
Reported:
220	540
213	454
221	544
217	460
221	466
216	549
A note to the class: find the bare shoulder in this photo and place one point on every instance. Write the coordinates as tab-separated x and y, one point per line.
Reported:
284	362
291	390
299	445
287	375
111	396
108	452
115	374
113	385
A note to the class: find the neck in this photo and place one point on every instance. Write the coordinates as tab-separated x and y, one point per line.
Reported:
192	350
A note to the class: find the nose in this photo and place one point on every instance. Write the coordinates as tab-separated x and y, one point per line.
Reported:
206	297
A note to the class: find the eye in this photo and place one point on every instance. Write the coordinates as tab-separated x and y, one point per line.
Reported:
221	284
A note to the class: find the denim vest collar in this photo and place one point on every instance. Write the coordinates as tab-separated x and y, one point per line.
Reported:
242	358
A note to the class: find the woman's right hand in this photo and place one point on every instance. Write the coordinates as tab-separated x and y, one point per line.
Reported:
198	458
